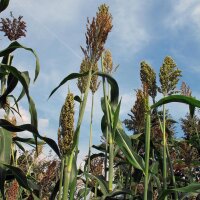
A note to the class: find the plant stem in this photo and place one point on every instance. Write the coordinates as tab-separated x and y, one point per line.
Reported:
67	173
169	160
90	145
61	178
147	150
109	138
164	152
172	172
111	159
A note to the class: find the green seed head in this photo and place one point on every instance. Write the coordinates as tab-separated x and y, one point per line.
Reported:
107	62
82	81
94	84
148	78
66	129
169	76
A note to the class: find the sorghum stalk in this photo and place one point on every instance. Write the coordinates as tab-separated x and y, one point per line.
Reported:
164	151
61	178
67	173
90	144
147	148
172	172
109	136
169	160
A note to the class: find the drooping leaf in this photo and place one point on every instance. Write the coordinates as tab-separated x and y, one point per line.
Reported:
19	175
28	127
191	188
113	83
192	102
103	185
5	150
124	143
27	140
77	98
25	74
19	76
15	45
4	4
55	191
116	192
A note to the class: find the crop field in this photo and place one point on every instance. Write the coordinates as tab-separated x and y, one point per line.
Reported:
140	157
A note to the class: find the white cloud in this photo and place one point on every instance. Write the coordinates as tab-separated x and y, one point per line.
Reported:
130	28
184	13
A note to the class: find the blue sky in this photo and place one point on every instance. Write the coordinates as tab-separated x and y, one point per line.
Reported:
142	30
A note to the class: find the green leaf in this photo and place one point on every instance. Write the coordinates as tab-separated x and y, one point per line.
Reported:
5	145
103	185
117	192
15	45
135	136
124	143
34	120
192	102
81	193
116	117
5	151
4	4
55	191
28	127
19	76
20	176
77	98
113	83
193	187
19	146
25	74
27	140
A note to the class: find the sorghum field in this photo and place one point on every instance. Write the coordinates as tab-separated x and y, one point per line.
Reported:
150	163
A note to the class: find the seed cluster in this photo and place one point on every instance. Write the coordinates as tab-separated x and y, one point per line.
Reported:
108	62
12	192
138	113
97	32
185	90
169	76
66	129
82	81
148	78
13	29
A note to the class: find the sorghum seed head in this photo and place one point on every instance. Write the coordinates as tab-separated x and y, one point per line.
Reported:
107	62
82	81
13	29
185	90
12	192
148	78
97	32
169	76
94	84
138	113
66	129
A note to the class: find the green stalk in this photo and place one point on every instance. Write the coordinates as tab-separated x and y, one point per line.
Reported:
109	139
61	178
147	150
82	106
90	145
164	152
170	163
172	172
111	159
68	166
67	173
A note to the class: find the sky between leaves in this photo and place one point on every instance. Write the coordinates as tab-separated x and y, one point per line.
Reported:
142	30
